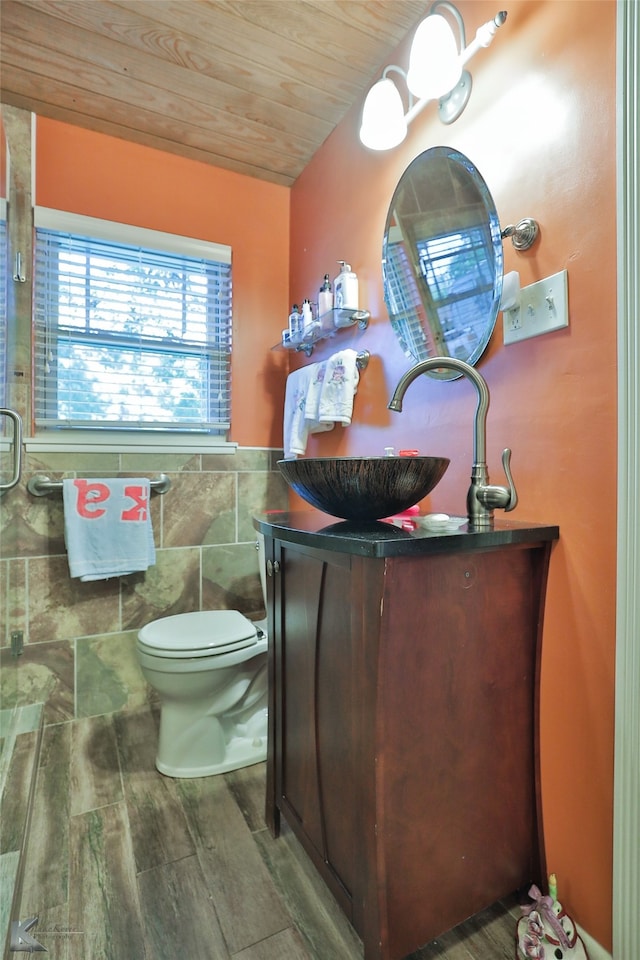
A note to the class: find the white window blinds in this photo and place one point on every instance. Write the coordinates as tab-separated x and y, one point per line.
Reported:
129	335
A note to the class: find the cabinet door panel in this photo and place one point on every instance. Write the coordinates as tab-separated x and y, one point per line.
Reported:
301	593
459	684
336	708
318	785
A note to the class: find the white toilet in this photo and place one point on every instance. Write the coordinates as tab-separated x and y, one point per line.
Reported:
210	670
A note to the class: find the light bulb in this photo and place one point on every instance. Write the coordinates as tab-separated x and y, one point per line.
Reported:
383	123
434	62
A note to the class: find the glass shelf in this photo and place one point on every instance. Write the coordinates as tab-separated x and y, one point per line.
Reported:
334	320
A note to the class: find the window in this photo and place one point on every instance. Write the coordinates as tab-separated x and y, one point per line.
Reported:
132	328
459	273
408	315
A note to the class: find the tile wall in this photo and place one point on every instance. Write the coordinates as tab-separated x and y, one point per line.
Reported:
79	654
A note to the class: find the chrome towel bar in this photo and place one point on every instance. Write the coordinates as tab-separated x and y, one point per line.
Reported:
40	486
17	448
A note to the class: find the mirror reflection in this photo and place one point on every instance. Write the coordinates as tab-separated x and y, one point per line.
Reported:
442	261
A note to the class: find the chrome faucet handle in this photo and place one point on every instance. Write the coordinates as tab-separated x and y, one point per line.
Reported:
504	498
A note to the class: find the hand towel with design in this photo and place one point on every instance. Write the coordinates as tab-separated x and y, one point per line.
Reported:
338	389
107	527
302	387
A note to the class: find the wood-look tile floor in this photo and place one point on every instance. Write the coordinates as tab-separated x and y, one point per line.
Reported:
125	864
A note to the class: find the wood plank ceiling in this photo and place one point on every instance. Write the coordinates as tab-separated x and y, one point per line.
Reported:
254	86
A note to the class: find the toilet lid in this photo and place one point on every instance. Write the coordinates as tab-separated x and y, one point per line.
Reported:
200	634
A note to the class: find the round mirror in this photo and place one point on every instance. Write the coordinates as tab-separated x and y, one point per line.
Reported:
442	261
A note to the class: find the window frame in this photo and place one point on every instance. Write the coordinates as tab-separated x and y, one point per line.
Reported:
156	439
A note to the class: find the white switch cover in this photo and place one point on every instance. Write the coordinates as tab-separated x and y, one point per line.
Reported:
544	306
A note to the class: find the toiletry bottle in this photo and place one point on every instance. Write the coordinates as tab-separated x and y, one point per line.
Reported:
307	318
295	325
325	303
346	288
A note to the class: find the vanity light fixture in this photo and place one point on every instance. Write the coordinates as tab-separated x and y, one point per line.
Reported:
435	72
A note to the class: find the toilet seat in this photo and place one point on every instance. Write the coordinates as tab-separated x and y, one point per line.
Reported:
205	633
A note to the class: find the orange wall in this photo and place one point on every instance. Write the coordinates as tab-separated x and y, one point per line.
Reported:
101	176
540	126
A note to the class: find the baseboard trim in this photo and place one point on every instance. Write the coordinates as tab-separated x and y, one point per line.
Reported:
595	951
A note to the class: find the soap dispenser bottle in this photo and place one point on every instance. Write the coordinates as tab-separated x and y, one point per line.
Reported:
346	288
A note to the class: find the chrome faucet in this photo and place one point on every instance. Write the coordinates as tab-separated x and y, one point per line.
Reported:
482	497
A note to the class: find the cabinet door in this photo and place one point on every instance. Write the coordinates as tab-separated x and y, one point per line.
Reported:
315	782
458	674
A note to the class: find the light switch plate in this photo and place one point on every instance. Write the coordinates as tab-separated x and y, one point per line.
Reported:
544	306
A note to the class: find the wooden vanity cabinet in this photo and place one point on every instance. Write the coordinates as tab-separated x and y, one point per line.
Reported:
403	719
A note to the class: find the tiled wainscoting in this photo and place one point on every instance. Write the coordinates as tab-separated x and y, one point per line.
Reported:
79	654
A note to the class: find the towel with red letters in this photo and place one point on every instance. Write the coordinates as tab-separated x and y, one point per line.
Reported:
107	527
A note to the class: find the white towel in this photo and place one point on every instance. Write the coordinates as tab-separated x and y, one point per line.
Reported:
314	392
338	388
107	527
299	419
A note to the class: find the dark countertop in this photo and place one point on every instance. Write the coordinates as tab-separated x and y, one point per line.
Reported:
311	528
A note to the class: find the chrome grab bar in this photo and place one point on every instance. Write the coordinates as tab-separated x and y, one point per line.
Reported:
17	447
40	486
